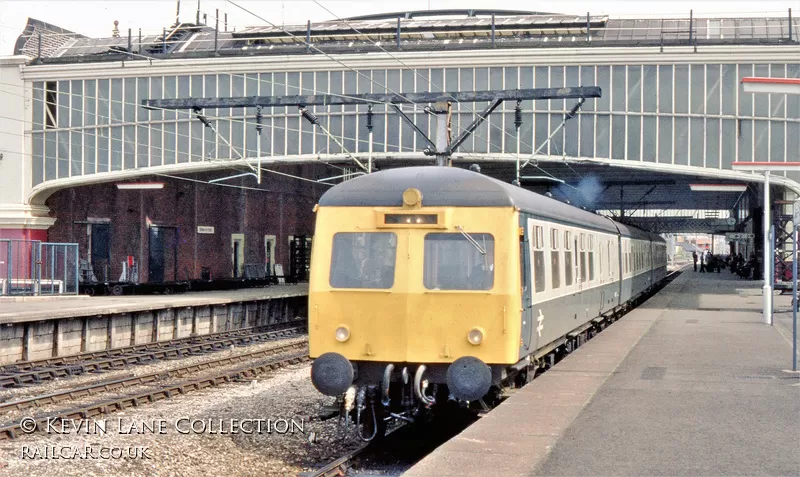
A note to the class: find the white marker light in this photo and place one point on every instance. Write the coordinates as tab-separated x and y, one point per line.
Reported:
342	334
475	336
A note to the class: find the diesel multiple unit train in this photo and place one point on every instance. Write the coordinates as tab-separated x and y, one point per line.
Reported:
437	284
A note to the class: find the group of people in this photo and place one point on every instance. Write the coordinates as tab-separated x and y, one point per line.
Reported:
736	263
708	262
741	267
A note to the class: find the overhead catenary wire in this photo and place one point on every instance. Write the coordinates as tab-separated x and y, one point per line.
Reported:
146	123
315	48
489	123
343	64
294	36
214	129
177	113
187	118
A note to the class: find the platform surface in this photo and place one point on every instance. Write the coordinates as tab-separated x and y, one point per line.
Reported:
692	382
16	312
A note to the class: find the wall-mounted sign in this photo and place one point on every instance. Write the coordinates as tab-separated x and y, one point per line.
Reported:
739	236
205	229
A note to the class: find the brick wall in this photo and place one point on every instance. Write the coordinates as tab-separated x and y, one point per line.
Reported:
280	206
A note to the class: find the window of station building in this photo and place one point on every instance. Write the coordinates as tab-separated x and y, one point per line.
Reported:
539	278
452	262
591	257
555	269
51	104
567	258
363	260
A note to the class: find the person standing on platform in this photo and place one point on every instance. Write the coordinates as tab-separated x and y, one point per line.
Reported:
703	263
694	257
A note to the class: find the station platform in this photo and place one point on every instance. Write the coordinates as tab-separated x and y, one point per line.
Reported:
692	382
53	327
72	307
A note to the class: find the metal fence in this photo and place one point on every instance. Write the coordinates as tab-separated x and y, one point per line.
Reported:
31	267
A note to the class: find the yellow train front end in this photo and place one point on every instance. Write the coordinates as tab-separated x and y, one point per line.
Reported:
410	302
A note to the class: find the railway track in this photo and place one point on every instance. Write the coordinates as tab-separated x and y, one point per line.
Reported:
275	358
33	372
340	466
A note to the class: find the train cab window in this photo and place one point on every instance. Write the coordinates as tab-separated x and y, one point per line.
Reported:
555	269
567	258
363	260
591	258
454	262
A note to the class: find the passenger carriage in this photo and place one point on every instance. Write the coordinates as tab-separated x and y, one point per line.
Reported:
431	284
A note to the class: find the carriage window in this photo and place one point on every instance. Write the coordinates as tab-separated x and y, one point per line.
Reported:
627	257
539	277
363	260
582	258
555	269
523	269
454	263
567	258
583	266
567	267
601	258
591	265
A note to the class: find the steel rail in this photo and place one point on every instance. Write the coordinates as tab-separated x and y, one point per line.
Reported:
39	375
340	466
11	430
73	358
105	386
36	375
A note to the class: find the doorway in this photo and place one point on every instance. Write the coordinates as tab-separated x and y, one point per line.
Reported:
100	245
237	254
270	241
163	254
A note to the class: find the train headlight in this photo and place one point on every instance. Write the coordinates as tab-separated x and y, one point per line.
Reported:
342	334
475	336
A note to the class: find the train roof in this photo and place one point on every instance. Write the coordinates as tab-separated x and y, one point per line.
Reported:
455	187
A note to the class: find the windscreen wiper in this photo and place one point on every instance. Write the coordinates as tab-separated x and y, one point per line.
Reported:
471	240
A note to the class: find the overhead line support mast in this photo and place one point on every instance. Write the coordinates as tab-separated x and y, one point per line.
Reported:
442	147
